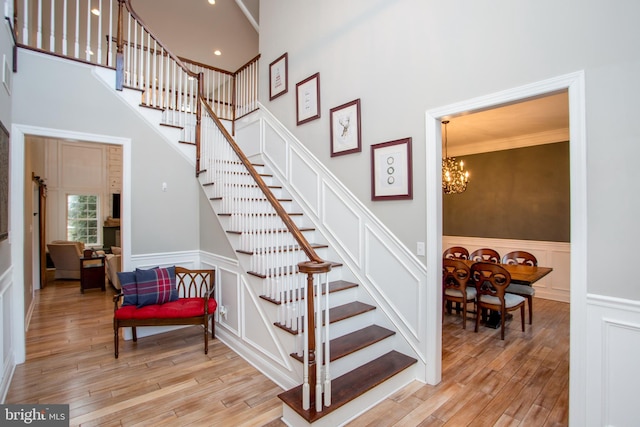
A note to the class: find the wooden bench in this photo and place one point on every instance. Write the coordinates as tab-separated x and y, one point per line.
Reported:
195	306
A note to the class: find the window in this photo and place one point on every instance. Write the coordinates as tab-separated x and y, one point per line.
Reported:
82	218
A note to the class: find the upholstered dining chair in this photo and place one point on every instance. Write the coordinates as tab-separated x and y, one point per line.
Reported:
485	255
457	286
456	252
491	281
526	291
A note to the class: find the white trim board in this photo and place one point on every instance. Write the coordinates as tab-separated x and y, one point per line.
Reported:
574	83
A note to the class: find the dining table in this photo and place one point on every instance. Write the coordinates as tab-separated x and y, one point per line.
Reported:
520	274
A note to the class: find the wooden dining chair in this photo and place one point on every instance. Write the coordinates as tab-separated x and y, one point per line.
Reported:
526	291
491	281
456	252
485	255
457	286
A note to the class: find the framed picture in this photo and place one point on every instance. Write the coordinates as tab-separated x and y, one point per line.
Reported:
4	183
391	170
308	99
278	77
345	129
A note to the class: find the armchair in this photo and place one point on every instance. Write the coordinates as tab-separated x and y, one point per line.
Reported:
65	256
114	265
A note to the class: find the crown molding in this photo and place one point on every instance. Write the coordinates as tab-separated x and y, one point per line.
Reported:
540	138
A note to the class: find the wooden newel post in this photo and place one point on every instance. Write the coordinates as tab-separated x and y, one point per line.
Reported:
310	268
119	49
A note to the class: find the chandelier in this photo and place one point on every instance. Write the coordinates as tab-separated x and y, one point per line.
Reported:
454	177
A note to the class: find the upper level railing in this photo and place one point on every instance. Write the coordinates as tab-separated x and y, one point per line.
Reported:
87	31
196	97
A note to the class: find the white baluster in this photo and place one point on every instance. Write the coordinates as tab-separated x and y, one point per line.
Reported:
327	349
98	58
76	43
52	23
39	27
319	346
87	51
306	389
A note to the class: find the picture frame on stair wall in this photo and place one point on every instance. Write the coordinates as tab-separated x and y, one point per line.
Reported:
345	129
4	182
391	170
308	99
278	77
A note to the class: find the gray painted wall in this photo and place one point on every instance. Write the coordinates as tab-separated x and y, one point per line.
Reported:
520	194
213	238
161	221
406	57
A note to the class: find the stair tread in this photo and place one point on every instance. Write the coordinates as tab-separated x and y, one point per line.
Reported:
335	286
354	341
295	248
288	270
274	187
348	310
336	314
254	199
279	231
271	214
350	385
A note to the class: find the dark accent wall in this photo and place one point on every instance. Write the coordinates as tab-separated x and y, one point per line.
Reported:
520	194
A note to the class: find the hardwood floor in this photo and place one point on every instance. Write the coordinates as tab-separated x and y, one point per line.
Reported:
167	380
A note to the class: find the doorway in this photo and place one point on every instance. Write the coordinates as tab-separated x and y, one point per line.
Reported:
574	84
21	216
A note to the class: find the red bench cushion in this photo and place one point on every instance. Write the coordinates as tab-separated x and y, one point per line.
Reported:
183	307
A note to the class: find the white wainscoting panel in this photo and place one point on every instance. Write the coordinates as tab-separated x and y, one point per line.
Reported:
257	330
276	150
228	295
7	359
306	182
557	255
248	138
386	270
343	222
247	328
613	352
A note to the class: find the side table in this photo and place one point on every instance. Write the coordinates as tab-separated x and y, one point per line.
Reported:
92	274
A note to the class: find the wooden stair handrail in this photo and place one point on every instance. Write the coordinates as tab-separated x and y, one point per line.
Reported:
247	64
153	36
181	64
291	226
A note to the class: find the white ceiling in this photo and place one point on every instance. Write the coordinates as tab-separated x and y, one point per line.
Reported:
536	121
193	29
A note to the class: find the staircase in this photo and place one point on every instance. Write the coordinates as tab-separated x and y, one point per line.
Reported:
366	364
369	304
358	352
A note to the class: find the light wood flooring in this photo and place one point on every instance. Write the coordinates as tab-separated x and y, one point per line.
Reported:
167	380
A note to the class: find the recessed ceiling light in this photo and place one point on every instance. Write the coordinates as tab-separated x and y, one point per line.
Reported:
217	52
212	1
95	11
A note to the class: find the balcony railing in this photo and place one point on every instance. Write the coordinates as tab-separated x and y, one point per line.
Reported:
88	31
